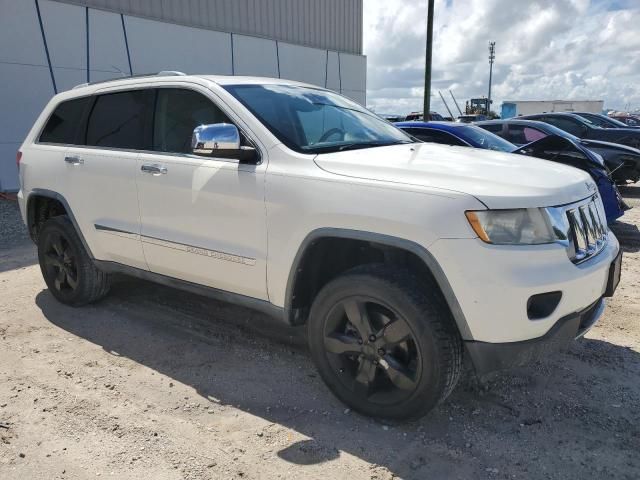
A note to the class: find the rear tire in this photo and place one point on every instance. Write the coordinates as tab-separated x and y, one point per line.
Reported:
401	371
70	274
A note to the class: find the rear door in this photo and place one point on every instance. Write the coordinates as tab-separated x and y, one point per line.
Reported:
101	174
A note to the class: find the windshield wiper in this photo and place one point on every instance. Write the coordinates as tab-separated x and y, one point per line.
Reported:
356	146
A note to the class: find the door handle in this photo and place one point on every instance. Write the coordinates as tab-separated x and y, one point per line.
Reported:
74	160
154	169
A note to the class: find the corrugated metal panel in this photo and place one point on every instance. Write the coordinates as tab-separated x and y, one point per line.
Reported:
327	24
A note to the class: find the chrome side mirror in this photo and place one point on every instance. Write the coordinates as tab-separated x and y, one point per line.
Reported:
216	139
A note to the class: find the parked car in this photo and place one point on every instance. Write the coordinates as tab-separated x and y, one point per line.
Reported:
581	128
471	118
630	120
623	162
567	151
404	259
419	116
602	121
457	134
392	118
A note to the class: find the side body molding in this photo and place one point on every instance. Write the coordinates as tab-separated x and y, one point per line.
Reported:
408	245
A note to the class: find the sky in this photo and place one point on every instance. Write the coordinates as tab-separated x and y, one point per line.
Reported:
545	50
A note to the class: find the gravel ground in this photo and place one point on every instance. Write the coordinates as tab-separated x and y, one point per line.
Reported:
155	383
12	230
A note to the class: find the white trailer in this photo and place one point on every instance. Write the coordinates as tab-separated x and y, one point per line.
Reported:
516	108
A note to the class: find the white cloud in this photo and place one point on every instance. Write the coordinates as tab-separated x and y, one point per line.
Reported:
546	49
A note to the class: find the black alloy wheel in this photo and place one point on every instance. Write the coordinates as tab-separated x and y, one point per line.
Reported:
68	271
60	263
384	341
374	350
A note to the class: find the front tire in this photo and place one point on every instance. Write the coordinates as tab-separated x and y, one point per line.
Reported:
385	342
70	274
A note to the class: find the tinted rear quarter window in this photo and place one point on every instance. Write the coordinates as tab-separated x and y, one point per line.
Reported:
121	120
64	124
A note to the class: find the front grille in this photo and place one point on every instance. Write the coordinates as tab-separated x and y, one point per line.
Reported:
587	230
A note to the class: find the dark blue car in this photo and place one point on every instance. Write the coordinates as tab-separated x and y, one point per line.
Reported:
622	161
460	134
552	147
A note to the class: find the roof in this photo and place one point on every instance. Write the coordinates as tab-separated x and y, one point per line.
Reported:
172	76
550	101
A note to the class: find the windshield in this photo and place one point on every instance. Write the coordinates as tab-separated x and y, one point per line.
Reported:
310	120
487	140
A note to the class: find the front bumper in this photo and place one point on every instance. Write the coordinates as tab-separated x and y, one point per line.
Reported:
493	284
491	357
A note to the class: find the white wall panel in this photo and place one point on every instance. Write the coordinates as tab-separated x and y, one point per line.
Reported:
67	78
303	64
8	168
254	56
353	71
333	72
65	28
357	95
20	37
25	91
156	46
108	51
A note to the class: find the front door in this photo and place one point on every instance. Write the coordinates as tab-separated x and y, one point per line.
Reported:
202	219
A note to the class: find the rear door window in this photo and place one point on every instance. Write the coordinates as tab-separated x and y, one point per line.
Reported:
65	123
121	120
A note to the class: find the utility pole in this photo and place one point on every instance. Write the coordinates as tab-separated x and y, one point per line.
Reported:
492	57
427	63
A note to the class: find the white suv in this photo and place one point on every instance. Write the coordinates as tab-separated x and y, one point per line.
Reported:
403	258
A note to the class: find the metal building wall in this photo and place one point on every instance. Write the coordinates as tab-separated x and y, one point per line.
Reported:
49	46
326	24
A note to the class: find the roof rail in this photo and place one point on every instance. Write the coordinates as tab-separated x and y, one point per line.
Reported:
163	73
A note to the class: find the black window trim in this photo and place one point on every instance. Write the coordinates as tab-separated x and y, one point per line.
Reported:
89	108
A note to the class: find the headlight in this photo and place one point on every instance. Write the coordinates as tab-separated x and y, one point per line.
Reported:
523	226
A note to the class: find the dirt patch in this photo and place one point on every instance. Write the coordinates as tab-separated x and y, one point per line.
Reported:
154	383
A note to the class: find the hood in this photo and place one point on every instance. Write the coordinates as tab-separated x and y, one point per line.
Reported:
499	180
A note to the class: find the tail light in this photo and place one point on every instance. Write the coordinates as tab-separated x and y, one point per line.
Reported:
18	158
